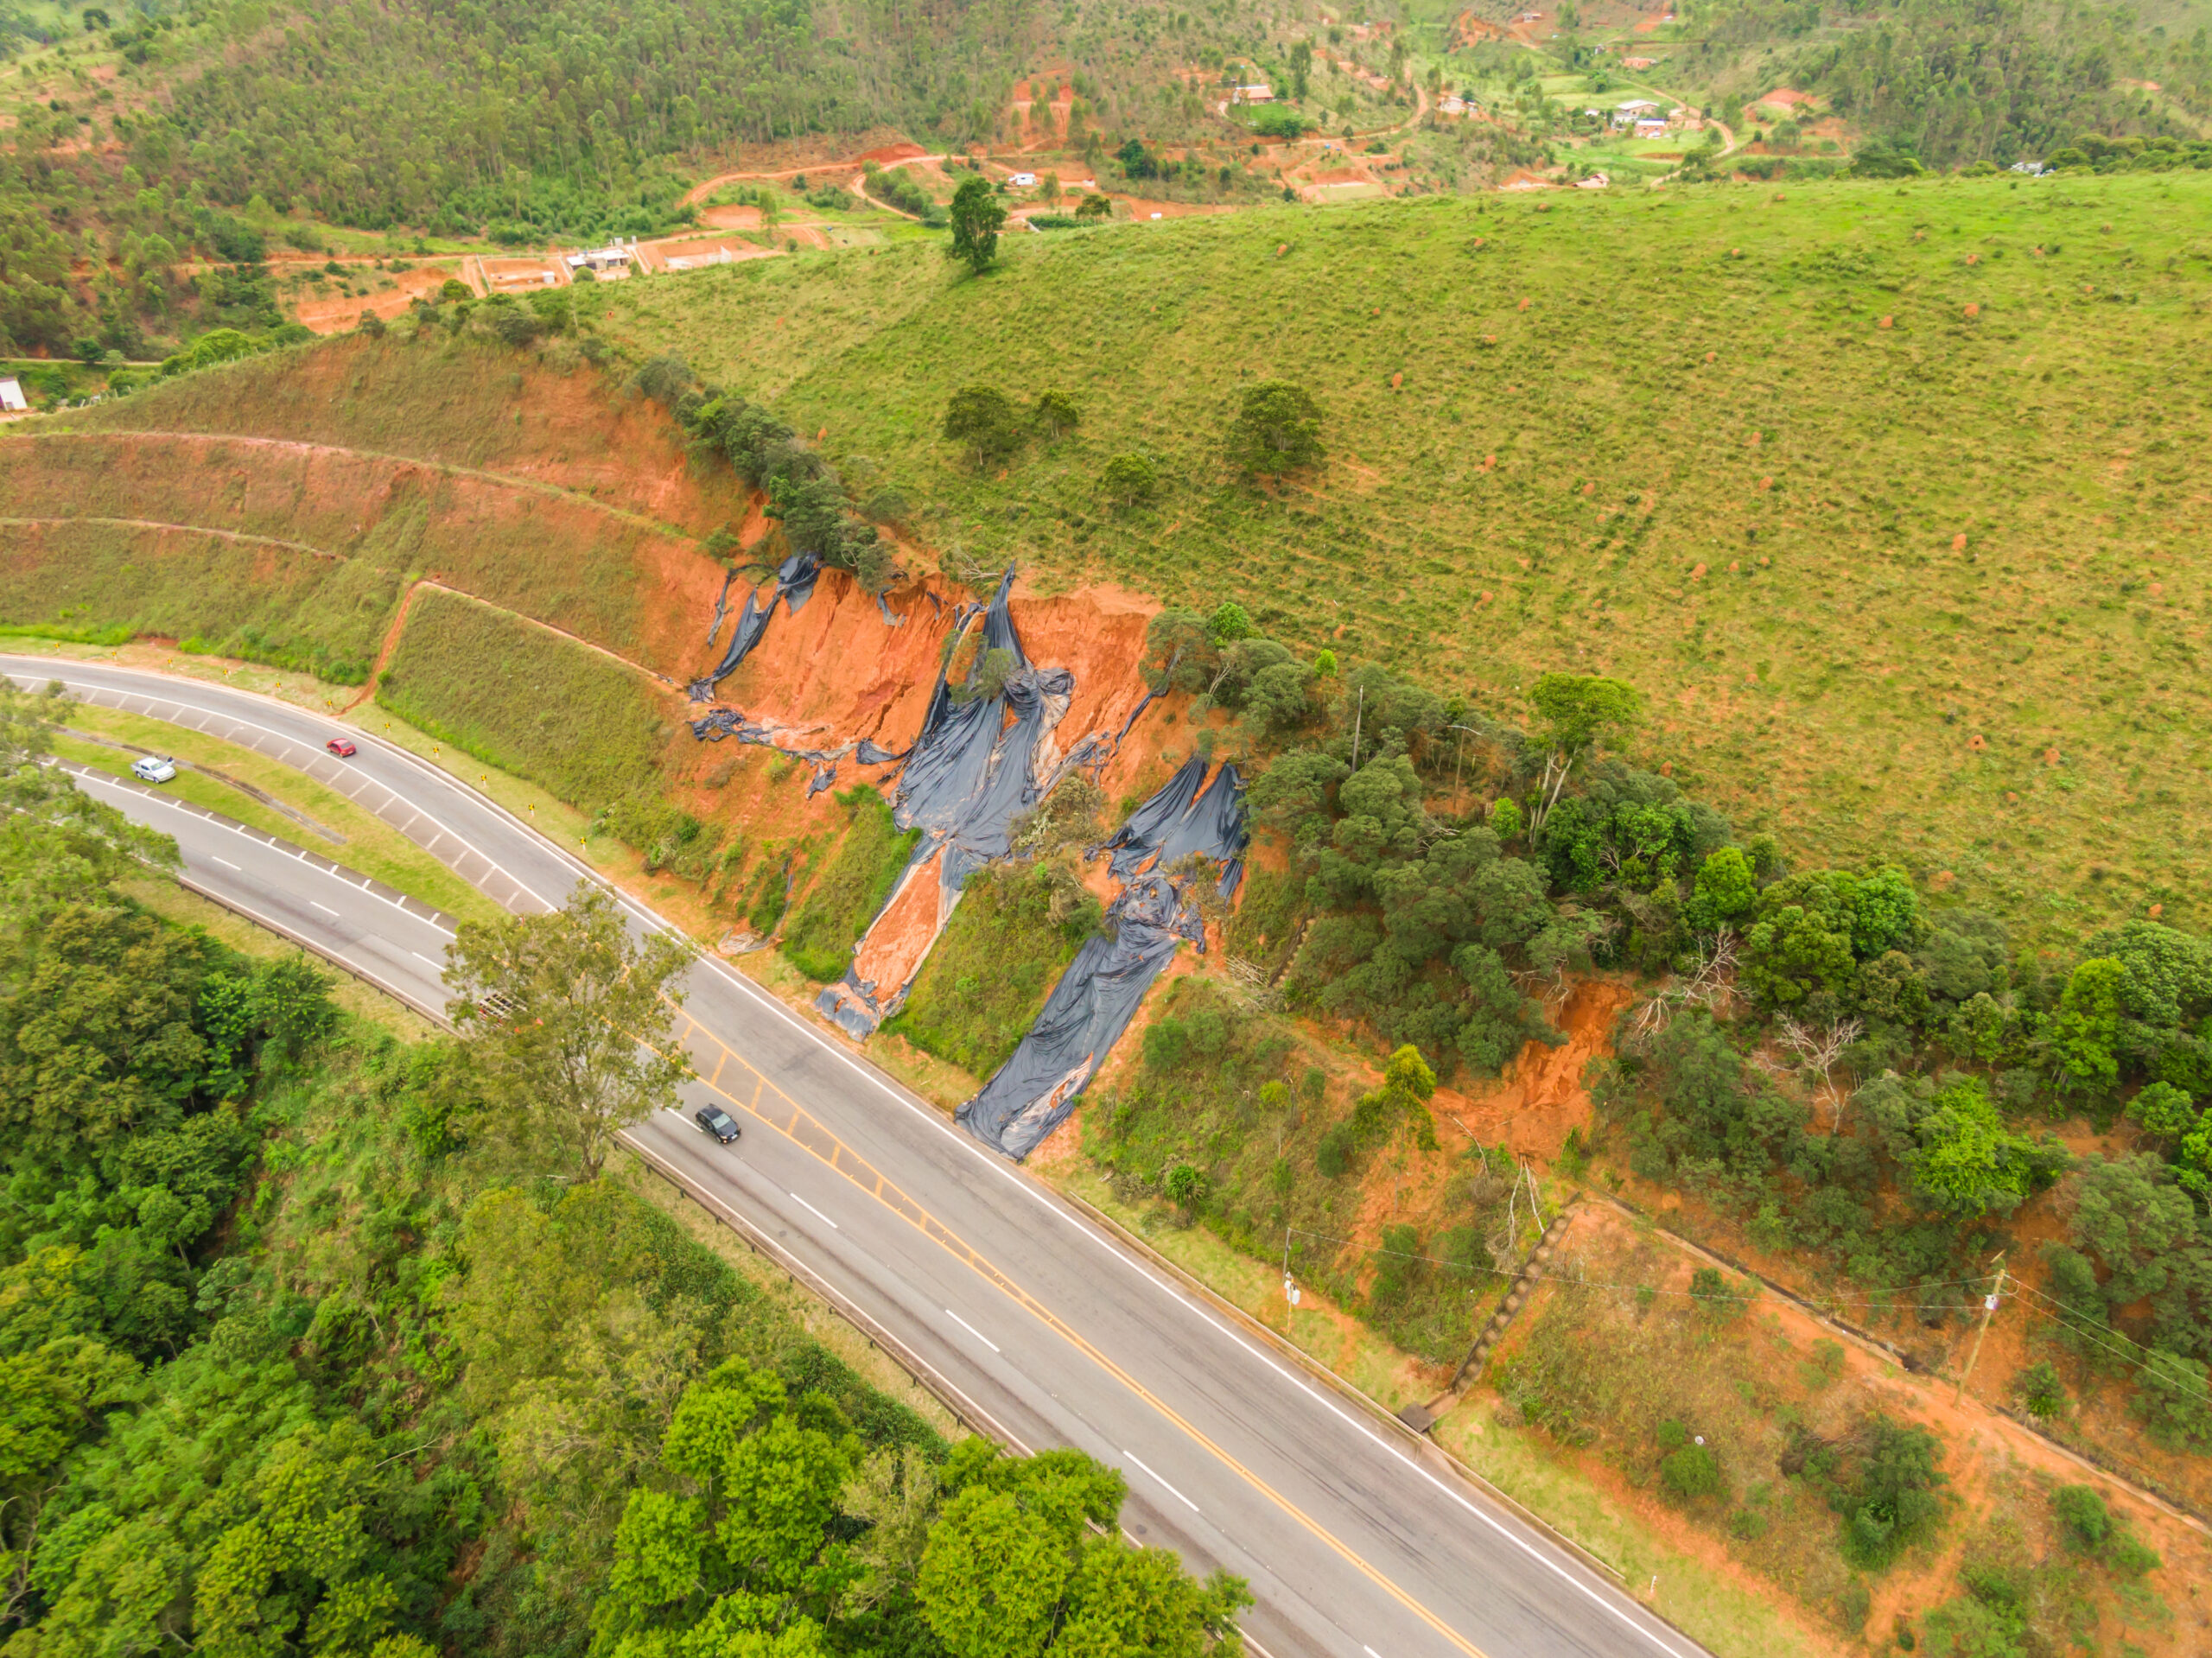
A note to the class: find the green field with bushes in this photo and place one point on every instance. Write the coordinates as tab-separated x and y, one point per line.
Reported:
1881	492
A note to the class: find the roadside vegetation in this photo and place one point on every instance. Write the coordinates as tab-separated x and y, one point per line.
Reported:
318	1338
819	940
525	700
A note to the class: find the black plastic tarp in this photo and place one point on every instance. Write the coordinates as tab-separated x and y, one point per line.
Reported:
969	773
1033	1092
794	584
1180	819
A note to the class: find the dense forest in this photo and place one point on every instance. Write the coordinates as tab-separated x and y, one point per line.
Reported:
1958	81
298	1353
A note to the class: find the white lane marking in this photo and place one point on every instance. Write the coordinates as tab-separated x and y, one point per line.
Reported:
1551	1559
419	956
812	1210
324	908
453	783
1370	1652
95	775
1548	1559
972	1330
1169	1489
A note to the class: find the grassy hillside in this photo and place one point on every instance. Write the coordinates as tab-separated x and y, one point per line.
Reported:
1888	496
524	700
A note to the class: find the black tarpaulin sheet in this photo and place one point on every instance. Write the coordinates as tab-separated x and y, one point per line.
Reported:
871	752
1180	819
721	607
969	773
1213	828
1139	840
794	583
1033	1092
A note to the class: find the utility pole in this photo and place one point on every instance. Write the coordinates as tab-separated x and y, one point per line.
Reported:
1988	1311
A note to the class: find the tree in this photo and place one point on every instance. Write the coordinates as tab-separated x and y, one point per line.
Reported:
1277	429
1012	1569
2086	1033
983	418
1056	413
1577	710
1130	479
977	216
1095	206
571	1021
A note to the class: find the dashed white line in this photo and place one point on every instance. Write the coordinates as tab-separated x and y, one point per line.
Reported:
324	908
972	1330
419	956
225	862
1169	1489
812	1210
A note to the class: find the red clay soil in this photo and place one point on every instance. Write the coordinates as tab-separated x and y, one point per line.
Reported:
1540	1098
339	314
892	951
1982	1451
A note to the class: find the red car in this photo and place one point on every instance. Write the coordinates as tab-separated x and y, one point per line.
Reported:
341	747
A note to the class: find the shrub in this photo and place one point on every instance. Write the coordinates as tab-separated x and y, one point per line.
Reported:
1333	1155
1186	1186
454	288
1690	1473
1277	429
2082	1516
1130	479
982	417
2040	1390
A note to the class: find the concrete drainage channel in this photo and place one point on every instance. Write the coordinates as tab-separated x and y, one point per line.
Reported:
1421	1418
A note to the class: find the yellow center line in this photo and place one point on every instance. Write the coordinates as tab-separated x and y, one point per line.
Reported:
812	1136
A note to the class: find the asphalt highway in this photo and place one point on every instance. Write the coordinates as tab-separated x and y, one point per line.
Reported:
1357	1538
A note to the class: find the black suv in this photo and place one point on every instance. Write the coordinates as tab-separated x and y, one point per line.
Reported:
717	1122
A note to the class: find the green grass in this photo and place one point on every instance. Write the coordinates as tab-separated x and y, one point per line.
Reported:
555	532
987	978
1239	1095
525	701
1699	382
838	908
87	581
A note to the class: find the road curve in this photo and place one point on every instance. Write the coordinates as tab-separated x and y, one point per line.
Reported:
1359	1540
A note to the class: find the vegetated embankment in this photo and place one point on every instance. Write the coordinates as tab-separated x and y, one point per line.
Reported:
1882	494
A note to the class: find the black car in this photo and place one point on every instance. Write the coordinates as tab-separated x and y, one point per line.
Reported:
717	1122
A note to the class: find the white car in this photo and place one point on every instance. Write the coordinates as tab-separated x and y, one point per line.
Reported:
153	768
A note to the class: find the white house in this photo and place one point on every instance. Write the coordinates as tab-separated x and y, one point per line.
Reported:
11	396
1651	127
1024	180
613	258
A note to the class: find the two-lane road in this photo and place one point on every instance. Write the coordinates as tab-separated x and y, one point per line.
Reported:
1357	1539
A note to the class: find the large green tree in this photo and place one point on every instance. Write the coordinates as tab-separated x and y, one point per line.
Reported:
977	216
570	1019
1277	429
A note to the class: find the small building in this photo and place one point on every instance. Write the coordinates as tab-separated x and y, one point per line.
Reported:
1651	127
1637	106
613	259
1451	103
1595	181
12	400
1257	93
1024	180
